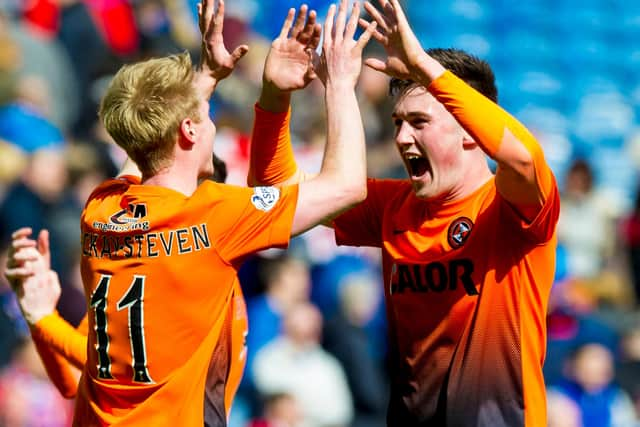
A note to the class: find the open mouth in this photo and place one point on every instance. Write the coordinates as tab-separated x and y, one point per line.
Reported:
416	165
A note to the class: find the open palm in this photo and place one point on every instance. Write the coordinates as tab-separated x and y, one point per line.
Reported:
215	58
287	66
400	43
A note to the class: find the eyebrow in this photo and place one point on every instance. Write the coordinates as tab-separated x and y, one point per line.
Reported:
411	114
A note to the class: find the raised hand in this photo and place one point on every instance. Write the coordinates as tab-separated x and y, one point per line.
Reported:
406	59
216	60
28	270
287	67
341	58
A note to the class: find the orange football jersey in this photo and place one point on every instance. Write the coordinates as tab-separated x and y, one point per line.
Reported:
160	275
466	282
466	285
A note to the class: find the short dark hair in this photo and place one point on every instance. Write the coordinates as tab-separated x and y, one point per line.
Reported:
476	72
219	169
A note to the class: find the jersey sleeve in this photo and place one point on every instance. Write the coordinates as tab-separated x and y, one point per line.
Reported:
362	224
543	226
60	336
489	124
253	219
60	347
271	161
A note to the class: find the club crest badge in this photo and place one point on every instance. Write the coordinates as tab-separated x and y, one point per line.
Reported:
459	232
265	198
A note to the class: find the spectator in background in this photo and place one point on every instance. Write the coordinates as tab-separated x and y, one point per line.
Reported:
572	320
346	337
279	410
583	228
38	199
287	284
27	397
589	384
295	363
628	367
562	411
630	237
44	74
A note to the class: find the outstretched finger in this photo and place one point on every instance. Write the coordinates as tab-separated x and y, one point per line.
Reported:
218	19
286	25
298	27
44	248
394	11
21	232
377	34
21	243
239	52
315	37
328	26
376	64
307	32
352	25
314	63
366	36
18	273
340	21
383	3
205	13
26	255
377	16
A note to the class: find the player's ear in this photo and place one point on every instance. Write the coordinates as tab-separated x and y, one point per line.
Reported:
188	130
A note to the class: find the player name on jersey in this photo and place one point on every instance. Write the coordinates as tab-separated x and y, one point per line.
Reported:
139	245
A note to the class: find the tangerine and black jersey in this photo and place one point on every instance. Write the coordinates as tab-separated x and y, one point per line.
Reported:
160	274
466	289
466	286
61	346
466	282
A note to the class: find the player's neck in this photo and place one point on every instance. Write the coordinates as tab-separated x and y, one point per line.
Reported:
182	182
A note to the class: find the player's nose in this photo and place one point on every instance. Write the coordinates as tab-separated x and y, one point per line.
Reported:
404	134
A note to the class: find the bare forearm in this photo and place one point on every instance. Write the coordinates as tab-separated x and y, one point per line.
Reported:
345	149
205	83
273	99
341	182
425	69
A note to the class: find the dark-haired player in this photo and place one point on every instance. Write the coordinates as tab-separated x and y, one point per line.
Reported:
468	256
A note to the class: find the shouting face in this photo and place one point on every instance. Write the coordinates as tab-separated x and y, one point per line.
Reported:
431	143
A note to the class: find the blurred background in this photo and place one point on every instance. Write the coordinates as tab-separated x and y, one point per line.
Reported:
568	69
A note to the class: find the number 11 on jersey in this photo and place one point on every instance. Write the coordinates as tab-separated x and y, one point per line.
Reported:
133	300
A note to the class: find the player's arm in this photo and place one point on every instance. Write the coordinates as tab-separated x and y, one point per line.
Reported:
341	182
38	291
59	335
523	177
216	63
287	68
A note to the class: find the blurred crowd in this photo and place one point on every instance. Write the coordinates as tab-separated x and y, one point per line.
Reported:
316	347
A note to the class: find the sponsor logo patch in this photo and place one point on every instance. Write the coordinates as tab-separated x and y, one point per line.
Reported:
265	198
